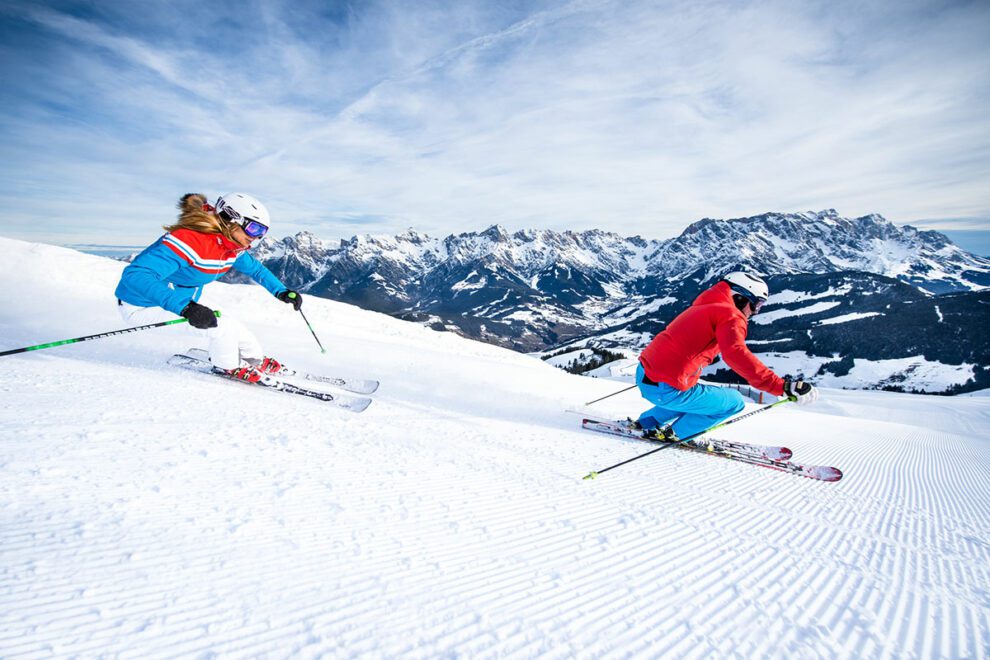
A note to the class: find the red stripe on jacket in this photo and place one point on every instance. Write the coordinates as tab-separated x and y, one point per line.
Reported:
207	247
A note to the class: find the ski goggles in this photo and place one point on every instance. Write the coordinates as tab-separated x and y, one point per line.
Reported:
254	229
757	303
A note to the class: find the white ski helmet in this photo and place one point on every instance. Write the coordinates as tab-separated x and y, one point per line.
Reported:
749	285
244	210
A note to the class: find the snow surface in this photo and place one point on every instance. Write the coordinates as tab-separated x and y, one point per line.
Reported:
911	373
769	317
638	309
915	373
788	296
763	342
845	318
149	512
466	284
564	359
622	369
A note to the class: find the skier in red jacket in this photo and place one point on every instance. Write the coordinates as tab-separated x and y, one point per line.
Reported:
670	366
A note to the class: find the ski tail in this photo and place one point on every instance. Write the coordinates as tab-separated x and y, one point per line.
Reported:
356	385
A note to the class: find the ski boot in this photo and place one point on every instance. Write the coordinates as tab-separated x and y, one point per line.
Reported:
246	372
269	365
664	433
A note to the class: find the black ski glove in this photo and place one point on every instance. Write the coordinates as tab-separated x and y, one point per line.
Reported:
291	297
799	391
200	316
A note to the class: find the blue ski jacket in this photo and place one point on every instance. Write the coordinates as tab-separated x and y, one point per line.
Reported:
173	270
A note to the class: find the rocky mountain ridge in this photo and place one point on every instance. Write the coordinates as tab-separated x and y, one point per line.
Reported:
535	290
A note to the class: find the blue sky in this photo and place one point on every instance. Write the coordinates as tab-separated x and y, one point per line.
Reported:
372	117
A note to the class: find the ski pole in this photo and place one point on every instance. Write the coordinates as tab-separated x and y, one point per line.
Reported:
592	475
99	336
611	395
292	294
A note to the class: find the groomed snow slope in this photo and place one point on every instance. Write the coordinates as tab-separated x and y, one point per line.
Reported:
149	512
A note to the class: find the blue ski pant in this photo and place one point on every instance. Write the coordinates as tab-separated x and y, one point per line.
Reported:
690	411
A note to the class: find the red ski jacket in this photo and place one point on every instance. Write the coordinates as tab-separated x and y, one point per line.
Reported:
711	325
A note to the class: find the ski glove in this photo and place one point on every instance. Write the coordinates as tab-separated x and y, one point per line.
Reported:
800	392
200	316
291	297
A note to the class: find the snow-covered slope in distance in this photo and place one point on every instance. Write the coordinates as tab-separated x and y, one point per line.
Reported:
148	511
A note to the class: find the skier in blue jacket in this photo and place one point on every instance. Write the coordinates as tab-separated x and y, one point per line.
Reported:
168	277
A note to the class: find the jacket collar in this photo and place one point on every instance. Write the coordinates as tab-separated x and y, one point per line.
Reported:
720	294
230	245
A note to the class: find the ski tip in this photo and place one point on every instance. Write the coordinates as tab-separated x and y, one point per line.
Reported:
783	454
360	405
831	474
824	473
590	475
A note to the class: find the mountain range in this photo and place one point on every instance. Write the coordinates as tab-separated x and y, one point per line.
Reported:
845	288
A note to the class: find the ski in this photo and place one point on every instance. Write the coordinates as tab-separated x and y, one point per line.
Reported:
707	444
816	472
356	385
352	403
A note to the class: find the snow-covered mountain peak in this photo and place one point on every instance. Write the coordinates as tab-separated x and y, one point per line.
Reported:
305	240
824	241
410	235
539	287
497	234
773	242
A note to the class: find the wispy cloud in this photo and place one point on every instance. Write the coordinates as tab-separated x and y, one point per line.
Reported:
955	224
447	116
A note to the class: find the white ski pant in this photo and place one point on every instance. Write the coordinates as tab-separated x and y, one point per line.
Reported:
229	342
